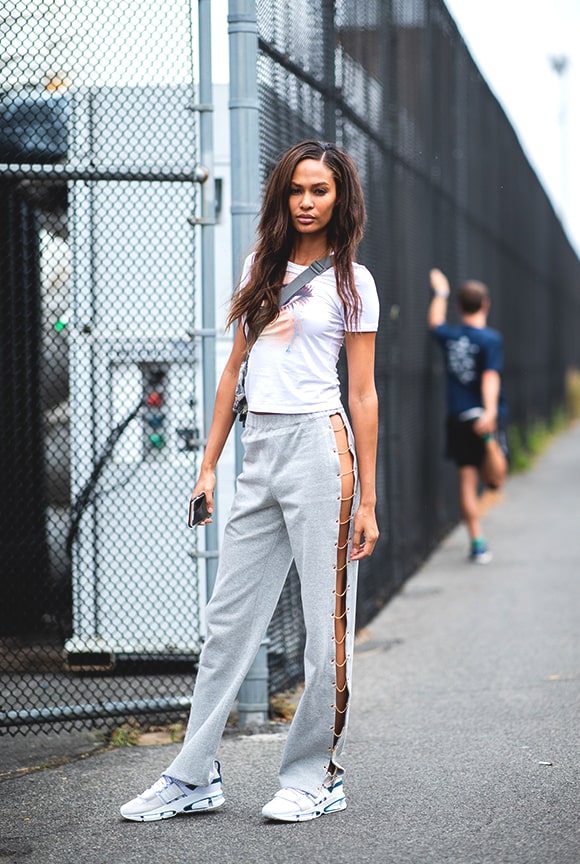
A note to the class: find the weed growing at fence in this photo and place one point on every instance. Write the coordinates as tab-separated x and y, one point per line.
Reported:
527	444
573	393
126	735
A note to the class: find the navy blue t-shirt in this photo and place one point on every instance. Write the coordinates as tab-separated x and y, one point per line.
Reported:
469	352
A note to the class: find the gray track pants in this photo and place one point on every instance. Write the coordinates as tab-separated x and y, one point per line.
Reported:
287	506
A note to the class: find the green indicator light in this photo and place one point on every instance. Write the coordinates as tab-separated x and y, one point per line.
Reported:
60	324
157	441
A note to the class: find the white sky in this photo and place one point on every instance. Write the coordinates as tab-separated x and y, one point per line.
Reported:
512	42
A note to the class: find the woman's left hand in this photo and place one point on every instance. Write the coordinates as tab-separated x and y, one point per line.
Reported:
365	533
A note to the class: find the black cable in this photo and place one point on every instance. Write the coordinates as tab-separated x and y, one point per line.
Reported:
87	494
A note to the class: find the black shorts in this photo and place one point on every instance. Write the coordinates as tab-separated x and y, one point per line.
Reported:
465	447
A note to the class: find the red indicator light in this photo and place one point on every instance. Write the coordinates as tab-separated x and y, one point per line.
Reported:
155	399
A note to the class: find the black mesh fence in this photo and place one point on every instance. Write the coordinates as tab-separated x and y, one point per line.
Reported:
103	586
447	185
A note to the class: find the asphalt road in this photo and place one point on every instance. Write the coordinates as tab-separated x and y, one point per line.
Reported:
464	736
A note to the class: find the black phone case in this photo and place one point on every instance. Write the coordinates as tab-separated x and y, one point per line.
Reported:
197	510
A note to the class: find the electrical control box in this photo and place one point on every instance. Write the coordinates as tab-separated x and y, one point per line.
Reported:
134	378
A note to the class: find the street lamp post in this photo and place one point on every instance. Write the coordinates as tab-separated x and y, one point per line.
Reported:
560	65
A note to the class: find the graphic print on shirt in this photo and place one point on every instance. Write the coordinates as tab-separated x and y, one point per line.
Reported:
462	359
288	325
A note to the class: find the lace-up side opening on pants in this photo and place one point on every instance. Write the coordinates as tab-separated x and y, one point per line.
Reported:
342	588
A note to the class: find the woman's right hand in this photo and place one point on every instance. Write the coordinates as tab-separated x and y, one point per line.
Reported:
222	422
206	482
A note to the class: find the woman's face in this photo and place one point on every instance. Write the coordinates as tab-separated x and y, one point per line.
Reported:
312	197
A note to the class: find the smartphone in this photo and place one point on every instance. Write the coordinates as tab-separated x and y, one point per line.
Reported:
197	510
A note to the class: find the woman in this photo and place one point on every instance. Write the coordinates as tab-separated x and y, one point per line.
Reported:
306	491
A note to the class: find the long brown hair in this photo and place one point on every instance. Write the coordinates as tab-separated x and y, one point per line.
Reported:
257	301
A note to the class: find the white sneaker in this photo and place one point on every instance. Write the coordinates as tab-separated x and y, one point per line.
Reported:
168	797
295	805
479	552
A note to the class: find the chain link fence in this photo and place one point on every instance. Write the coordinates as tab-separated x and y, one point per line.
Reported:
104	589
102	604
447	184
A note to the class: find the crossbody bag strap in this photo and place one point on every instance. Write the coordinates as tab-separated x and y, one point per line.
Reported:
316	269
288	291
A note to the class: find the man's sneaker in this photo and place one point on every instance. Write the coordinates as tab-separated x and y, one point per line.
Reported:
169	796
295	805
479	553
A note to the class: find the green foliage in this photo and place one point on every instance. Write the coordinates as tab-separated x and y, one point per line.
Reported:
573	393
133	733
126	735
520	459
528	443
560	421
537	437
176	732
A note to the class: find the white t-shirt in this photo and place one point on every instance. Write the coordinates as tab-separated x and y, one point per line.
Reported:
292	366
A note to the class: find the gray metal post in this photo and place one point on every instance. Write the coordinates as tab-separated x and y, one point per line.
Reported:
244	135
244	146
329	55
207	222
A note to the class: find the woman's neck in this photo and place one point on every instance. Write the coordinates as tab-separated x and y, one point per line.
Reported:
305	251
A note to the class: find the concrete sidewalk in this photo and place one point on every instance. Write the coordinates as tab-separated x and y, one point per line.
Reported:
464	735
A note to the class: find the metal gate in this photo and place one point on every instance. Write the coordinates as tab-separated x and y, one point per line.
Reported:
98	196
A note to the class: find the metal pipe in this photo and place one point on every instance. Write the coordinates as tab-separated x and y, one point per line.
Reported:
208	316
244	135
33	716
197	174
329	61
245	168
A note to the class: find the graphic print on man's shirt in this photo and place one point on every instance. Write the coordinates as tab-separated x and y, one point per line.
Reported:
462	359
